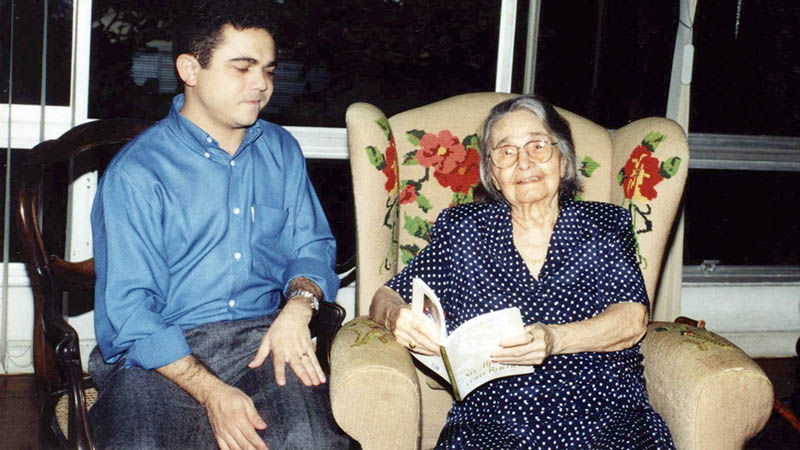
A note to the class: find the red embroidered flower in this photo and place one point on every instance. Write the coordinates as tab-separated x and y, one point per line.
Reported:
408	194
641	175
465	174
390	170
443	152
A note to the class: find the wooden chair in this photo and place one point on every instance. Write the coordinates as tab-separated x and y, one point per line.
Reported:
56	350
710	393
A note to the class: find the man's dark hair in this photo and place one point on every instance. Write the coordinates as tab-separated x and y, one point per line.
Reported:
198	28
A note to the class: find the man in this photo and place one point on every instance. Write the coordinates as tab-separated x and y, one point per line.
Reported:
200	223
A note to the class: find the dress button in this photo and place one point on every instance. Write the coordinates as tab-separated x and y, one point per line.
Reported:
209	140
236	211
207	155
231	303
233	163
237	256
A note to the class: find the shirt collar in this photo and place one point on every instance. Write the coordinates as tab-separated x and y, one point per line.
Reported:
201	142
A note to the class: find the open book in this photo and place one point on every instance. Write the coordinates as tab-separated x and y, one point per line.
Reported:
465	361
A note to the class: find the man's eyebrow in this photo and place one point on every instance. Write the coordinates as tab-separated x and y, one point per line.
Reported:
252	61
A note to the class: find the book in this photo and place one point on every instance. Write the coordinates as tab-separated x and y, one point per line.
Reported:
464	361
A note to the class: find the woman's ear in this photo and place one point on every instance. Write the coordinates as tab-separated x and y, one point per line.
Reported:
187	67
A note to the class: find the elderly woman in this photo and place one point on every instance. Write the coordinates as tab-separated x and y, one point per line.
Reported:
568	266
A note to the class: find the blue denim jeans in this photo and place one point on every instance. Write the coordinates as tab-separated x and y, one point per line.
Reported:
141	409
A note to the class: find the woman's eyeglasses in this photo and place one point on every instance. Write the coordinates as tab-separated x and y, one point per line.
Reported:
539	150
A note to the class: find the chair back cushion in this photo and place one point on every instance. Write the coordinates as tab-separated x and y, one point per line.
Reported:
407	168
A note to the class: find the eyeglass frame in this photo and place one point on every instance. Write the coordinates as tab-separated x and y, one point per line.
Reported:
550	142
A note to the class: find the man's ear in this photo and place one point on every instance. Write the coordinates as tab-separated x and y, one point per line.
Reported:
187	67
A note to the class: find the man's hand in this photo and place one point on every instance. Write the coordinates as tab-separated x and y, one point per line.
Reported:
234	419
232	414
289	341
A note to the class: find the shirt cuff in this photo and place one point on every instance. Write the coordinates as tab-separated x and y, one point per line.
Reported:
316	271
158	349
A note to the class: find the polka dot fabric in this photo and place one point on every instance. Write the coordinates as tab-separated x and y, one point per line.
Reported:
584	400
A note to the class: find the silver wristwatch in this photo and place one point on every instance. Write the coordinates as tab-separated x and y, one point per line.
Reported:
312	299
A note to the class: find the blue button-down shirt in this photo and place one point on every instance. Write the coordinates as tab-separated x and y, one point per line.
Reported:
185	234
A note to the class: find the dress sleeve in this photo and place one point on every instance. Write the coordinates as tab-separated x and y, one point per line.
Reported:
432	264
622	279
131	278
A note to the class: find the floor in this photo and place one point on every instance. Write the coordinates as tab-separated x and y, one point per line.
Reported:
20	400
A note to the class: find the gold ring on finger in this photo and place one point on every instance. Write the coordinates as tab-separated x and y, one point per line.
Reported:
412	345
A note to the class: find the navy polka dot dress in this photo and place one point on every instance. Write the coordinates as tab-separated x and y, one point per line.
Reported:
583	400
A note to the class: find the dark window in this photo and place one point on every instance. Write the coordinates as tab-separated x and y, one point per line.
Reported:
742	217
747	68
27	51
607	61
395	54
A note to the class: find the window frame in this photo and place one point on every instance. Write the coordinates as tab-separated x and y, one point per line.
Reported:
708	151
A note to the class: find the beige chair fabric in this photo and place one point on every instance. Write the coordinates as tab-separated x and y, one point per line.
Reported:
407	168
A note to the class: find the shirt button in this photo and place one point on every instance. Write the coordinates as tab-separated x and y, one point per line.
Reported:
237	256
209	140
207	155
236	211
233	163
231	303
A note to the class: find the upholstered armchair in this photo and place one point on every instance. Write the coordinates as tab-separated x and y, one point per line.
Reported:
711	394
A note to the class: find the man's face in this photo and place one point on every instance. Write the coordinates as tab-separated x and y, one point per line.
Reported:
237	83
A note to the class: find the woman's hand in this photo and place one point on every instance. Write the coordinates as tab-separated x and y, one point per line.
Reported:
413	330
529	348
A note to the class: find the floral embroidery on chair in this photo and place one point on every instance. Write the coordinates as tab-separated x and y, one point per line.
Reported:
698	337
588	166
365	331
639	177
386	162
454	164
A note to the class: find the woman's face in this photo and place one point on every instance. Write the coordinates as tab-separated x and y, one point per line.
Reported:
527	182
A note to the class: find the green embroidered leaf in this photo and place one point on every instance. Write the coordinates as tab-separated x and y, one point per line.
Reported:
387	130
376	158
410	159
423	202
670	167
471	141
652	139
414	136
578	197
408	252
461	198
418	227
588	165
620	176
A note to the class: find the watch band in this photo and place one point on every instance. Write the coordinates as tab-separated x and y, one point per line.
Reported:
312	299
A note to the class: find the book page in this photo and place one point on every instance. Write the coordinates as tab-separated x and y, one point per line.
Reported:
470	345
425	301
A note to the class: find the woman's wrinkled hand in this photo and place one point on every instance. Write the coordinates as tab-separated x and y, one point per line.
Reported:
413	330
529	348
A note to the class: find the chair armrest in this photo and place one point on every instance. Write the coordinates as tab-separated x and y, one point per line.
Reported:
709	392
375	393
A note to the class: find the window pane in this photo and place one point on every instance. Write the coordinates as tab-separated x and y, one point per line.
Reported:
332	181
27	51
747	67
742	217
607	61
395	54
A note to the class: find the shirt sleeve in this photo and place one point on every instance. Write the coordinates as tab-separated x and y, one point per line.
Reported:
132	277
621	279
432	264
313	245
